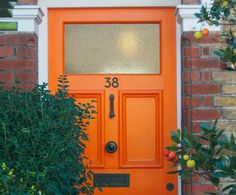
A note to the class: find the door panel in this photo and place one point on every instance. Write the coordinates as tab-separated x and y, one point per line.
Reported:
144	104
95	151
141	116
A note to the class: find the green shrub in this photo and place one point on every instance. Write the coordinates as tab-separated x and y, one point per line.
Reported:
42	142
210	155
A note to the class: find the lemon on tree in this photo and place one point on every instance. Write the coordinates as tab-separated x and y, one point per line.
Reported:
234	51
224	4
234	34
191	164
186	157
198	35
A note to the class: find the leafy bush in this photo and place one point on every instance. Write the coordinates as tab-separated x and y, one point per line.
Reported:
211	155
42	142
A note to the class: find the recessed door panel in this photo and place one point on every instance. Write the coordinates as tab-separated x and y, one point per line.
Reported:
95	130
141	119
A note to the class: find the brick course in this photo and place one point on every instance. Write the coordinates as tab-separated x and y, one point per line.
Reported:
18	60
27	2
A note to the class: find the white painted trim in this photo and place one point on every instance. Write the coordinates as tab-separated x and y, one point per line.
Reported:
27	17
108	3
43	48
189	22
179	88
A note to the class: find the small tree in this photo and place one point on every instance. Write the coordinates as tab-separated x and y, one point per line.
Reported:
211	155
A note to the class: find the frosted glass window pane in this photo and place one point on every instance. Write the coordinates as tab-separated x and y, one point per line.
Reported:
112	48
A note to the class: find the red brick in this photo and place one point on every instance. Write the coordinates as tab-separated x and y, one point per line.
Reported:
191	76
187	189
223	66
26	77
203	89
208	101
18	64
187	116
206	114
191	51
6	77
197	179
199	189
191	2
26	52
192	126
6	51
197	63
18	39
27	2
206	76
188	38
192	101
196	127
23	87
205	51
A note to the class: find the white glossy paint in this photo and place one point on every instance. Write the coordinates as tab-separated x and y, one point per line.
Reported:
178	71
27	17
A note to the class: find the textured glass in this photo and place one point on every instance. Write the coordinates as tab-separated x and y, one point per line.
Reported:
112	48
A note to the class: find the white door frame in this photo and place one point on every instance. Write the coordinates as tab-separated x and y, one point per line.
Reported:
43	41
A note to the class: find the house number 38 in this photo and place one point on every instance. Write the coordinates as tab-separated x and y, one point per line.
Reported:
111	82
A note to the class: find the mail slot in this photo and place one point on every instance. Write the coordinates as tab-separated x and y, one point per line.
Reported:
111	180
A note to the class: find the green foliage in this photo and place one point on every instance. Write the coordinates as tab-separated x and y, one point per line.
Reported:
213	151
222	12
42	142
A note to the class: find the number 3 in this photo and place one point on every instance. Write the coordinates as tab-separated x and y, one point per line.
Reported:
114	82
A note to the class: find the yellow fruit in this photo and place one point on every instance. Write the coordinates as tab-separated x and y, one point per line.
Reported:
234	51
191	164
224	4
198	35
234	34
186	157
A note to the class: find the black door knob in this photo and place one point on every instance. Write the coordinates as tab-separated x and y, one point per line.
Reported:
111	147
170	186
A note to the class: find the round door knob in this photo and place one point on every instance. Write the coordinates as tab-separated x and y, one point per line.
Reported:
111	147
170	186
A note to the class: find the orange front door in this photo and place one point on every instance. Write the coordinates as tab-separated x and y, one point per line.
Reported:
135	110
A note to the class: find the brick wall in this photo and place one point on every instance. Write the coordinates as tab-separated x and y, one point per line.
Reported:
208	93
191	1
27	2
18	60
